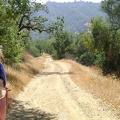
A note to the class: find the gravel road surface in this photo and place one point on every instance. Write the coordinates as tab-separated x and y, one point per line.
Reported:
52	95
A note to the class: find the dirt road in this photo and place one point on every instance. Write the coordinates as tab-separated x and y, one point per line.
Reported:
53	95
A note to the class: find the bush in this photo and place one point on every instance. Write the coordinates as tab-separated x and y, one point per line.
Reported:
87	59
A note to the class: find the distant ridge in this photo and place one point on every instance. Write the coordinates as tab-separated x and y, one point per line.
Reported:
76	14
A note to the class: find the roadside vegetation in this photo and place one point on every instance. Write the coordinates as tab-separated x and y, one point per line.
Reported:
21	74
105	88
99	47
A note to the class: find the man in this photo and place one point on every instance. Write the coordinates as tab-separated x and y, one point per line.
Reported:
3	95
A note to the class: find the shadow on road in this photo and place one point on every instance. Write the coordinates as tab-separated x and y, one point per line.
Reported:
19	112
57	73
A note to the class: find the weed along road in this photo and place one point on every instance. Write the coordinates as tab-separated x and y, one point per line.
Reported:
54	96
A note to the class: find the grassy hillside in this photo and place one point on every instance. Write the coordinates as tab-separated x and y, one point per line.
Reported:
75	14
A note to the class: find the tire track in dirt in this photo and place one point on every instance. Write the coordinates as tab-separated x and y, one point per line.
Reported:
53	95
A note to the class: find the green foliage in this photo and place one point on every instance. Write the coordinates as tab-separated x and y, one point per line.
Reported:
106	45
32	48
112	8
22	11
12	45
55	55
100	59
87	58
82	49
16	21
62	39
62	43
101	34
101	41
37	47
79	48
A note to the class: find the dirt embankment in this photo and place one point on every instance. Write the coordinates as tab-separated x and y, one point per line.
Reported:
53	95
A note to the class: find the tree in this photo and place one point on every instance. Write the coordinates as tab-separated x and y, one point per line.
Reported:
12	45
105	46
18	18
82	49
112	8
101	34
24	13
101	41
62	39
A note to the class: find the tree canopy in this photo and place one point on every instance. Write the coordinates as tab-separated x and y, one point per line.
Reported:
112	8
17	20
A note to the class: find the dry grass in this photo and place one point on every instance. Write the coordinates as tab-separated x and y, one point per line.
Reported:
102	87
20	75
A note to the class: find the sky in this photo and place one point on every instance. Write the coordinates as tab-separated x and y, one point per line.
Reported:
44	1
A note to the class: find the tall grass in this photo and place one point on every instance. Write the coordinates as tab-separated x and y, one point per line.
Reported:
20	74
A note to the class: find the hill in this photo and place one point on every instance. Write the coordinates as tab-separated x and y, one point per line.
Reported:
76	14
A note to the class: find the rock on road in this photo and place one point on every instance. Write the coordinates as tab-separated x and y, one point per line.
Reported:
52	95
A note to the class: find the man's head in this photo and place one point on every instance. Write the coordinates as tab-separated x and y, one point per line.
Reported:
1	53
1	56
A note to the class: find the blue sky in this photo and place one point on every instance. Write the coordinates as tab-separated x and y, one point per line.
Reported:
67	0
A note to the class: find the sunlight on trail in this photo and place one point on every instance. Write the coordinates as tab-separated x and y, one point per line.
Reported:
53	95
